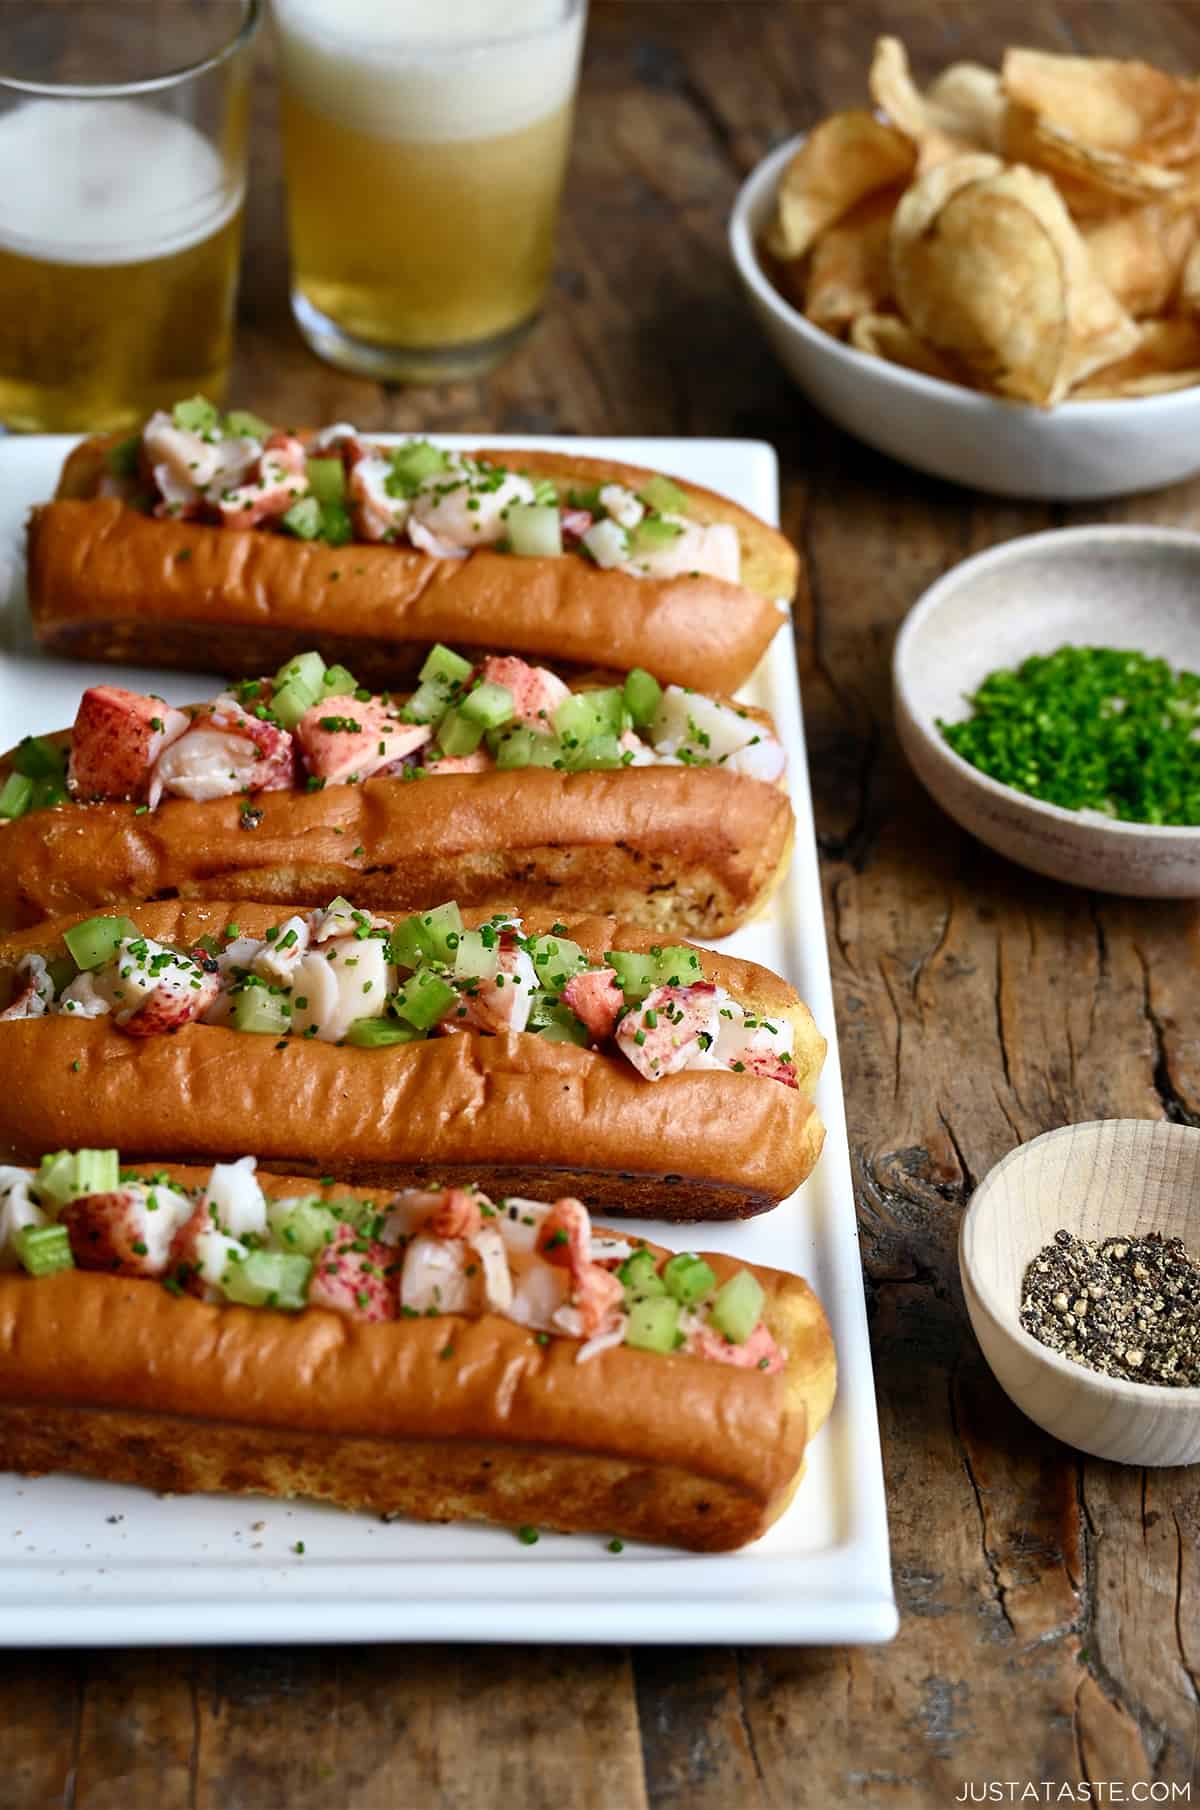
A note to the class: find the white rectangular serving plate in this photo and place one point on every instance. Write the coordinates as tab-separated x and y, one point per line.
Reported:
93	1564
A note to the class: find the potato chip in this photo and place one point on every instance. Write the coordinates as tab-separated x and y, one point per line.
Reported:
887	336
937	136
1140	254
1188	299
1167	357
968	100
989	268
1051	148
849	271
843	160
1126	107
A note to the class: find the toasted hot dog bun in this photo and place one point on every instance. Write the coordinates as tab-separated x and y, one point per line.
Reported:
443	1419
682	850
515	1113
108	583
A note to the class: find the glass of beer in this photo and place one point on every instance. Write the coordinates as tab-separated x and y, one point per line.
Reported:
122	174
425	143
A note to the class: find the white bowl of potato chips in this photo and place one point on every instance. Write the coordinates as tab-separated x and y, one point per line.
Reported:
997	281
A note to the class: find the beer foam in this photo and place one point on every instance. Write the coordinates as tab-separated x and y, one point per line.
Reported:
430	71
107	182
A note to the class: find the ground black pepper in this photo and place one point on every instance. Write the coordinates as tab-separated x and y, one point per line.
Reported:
1127	1307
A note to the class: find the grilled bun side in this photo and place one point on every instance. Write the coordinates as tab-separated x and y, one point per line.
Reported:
517	1113
108	583
441	1419
681	850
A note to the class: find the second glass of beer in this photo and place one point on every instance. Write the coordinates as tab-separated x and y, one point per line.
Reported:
425	144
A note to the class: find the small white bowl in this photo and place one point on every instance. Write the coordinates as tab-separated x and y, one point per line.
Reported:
1074	453
1117	1176
1125	587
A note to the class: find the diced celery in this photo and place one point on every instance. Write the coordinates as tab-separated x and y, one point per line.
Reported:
489	704
428	702
37	758
96	940
408	946
565	1029
475	957
534	530
258	1009
555	960
652	1323
585	496
652	534
245	425
598	753
48	793
96	1171
441	930
337	530
737	1307
303	519
43	1249
637	974
305	1228
290	702
678	966
62	971
426	936
457	734
305	670
327	480
424	999
380	1033
661	494
411	464
607	543
640	1276
444	665
590	713
196	415
643	695
297	686
523	747
545	490
55	1179
688	1278
16	795
269	1279
339	682
124	458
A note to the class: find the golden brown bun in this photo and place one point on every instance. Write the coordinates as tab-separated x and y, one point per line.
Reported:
516	1113
444	1419
682	850
108	583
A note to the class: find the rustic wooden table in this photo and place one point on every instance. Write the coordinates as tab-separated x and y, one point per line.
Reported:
1050	1606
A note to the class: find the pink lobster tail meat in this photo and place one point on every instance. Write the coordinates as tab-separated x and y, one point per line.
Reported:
596	999
107	1232
537	692
352	1275
117	738
343	736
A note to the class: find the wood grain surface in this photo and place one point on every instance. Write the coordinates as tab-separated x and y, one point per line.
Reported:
1050	1606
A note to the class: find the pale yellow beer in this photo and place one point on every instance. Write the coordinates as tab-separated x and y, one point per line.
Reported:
119	235
425	148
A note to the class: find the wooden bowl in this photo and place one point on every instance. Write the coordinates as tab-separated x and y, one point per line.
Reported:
1097	1180
1126	587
